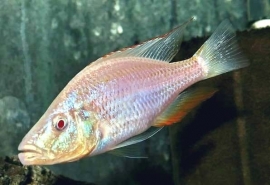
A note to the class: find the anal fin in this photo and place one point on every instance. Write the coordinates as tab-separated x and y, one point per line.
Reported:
183	104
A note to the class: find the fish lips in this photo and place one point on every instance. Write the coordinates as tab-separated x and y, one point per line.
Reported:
29	154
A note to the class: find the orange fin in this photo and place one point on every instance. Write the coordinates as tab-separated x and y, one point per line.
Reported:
183	104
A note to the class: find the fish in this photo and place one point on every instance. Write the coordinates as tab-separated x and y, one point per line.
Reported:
128	96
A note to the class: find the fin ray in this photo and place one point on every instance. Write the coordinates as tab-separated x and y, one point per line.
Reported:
162	48
139	138
132	151
221	53
183	104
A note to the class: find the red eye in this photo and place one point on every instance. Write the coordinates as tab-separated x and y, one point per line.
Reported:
61	124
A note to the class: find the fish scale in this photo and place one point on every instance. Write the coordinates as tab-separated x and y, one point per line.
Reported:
147	88
126	96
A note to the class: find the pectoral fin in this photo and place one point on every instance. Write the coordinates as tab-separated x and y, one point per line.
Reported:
139	138
128	149
132	151
183	104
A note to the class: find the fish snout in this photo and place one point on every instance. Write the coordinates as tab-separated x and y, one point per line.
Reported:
29	154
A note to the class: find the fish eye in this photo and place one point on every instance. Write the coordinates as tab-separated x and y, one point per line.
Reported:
60	124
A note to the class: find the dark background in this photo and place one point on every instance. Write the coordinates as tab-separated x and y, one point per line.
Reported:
224	141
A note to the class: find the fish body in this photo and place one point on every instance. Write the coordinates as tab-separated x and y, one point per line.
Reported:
113	101
126	103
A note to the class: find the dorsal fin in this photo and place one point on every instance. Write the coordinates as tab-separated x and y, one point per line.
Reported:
183	104
162	48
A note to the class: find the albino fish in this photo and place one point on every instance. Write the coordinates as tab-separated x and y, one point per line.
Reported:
127	96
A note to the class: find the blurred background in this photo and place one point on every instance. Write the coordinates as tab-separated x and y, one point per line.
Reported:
224	141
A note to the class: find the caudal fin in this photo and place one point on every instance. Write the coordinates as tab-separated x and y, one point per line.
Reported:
221	53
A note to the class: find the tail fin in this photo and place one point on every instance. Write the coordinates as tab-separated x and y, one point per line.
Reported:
221	53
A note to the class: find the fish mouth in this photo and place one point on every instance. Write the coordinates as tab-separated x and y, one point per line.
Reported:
29	154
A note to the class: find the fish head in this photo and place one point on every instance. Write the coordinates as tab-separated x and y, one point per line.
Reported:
59	136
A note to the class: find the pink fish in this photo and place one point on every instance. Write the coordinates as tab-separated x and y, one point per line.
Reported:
128	96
